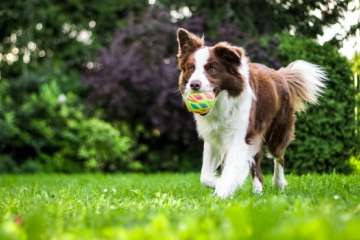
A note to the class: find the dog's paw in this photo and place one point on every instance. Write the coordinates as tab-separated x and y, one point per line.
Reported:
208	181
257	186
224	190
280	183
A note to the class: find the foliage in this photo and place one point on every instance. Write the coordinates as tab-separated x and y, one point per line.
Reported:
68	30
47	129
355	63
355	164
326	134
43	45
175	206
355	66
264	17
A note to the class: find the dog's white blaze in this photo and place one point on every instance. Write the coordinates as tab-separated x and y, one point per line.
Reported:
224	129
279	176
201	57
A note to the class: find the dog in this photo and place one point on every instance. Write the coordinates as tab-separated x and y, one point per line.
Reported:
255	107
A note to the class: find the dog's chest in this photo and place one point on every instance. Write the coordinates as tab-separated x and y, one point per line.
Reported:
227	122
216	132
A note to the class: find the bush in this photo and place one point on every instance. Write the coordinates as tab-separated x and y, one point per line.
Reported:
47	130
91	145
325	134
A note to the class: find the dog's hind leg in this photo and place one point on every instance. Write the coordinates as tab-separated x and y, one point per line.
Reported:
256	173
278	179
278	152
279	139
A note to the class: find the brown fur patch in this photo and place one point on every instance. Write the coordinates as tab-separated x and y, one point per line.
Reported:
272	114
222	69
187	69
256	167
188	43
266	104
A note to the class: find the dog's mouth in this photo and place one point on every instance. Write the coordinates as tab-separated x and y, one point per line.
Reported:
200	102
216	91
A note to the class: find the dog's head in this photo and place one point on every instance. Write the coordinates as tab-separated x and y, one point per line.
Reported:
221	67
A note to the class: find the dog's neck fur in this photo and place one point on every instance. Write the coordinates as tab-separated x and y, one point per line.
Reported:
229	118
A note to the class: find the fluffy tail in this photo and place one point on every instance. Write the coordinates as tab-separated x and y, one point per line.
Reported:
306	82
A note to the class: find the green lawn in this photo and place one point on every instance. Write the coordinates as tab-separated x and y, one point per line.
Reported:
175	206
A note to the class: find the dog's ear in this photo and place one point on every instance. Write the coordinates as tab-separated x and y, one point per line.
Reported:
229	54
187	42
240	51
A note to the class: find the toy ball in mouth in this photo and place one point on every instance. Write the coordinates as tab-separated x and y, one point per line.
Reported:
200	102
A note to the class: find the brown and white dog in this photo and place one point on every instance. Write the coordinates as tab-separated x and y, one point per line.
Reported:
255	107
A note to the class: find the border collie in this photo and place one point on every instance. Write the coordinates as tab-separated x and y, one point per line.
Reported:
255	107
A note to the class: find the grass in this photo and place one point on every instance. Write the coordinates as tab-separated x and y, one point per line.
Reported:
175	206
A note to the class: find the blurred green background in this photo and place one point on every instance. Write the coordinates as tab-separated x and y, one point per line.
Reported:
92	85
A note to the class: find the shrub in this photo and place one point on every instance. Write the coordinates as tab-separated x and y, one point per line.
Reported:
355	164
325	134
47	129
91	145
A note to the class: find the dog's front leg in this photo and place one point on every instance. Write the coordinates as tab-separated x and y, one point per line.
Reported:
209	165
236	169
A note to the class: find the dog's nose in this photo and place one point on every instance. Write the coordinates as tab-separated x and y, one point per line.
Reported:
195	85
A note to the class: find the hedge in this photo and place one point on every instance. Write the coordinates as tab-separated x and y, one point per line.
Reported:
326	134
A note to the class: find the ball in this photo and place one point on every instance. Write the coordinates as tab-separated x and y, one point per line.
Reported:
200	102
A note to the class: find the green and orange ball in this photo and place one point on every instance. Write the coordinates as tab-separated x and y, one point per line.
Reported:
199	102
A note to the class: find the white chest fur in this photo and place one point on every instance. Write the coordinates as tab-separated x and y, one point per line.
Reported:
227	123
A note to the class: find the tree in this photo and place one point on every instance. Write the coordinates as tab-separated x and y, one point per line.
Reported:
263	17
69	31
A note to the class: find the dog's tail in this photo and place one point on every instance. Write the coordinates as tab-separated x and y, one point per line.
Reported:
306	82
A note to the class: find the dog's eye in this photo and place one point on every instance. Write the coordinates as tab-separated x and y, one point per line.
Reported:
210	68
191	67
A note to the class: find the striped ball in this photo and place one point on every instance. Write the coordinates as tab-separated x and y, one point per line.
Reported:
200	102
